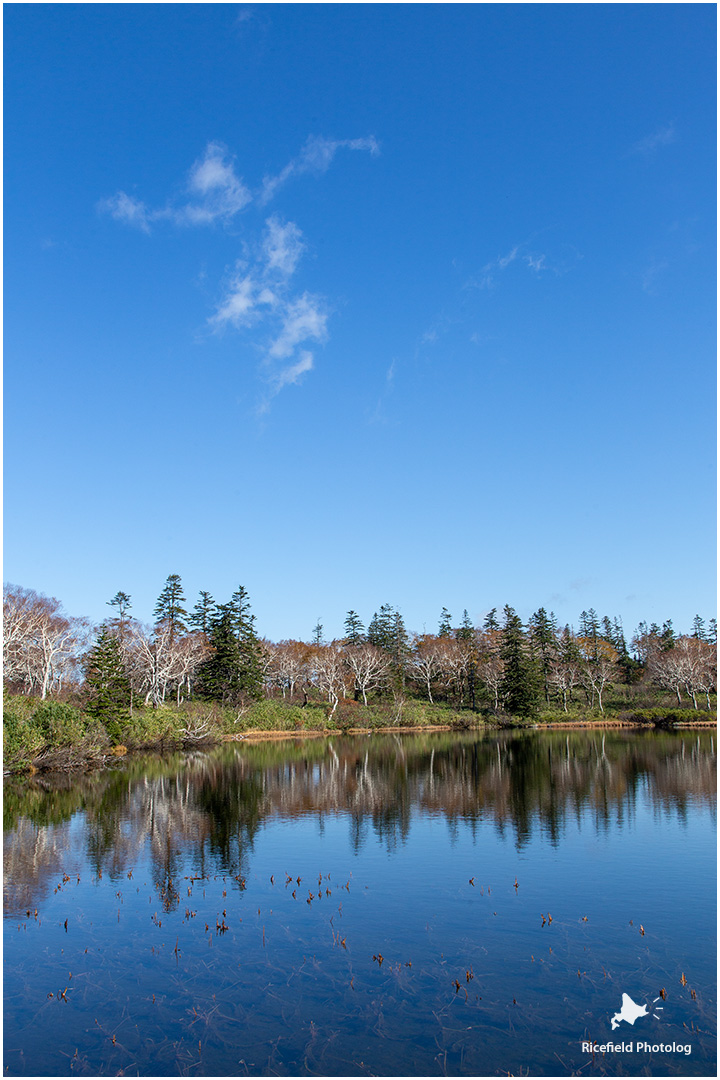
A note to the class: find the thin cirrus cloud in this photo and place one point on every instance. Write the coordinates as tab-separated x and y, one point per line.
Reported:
315	158
662	137
258	291
489	272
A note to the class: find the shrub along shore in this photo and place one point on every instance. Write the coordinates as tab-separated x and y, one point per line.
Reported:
57	735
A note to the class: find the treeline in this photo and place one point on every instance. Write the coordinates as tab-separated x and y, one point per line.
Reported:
214	653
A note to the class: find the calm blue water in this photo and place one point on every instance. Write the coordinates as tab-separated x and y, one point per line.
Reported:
151	929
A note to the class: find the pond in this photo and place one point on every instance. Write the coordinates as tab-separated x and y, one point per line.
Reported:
421	905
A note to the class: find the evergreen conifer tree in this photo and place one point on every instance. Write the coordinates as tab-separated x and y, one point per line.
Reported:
519	685
170	606
239	610
106	683
466	630
219	677
543	642
491	624
445	627
317	634
203	613
121	601
354	629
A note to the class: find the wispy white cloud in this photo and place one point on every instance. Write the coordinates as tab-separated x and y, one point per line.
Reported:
293	372
129	211
218	193
662	137
282	246
378	415
258	291
488	274
510	257
651	274
260	295
245	298
303	319
316	157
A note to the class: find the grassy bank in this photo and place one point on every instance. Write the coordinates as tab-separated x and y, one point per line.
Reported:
60	735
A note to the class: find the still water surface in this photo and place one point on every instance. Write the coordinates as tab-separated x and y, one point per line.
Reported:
412	905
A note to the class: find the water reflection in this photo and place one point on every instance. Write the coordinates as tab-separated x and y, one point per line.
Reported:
150	927
209	806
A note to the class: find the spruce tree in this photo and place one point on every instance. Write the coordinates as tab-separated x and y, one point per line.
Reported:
169	607
445	627
543	642
519	685
698	629
491	624
219	677
466	630
317	634
243	623
239	609
387	632
107	683
354	629
203	613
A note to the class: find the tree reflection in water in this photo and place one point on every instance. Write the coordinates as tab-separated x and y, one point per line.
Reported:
209	806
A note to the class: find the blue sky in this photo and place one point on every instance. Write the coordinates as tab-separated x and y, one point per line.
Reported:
362	304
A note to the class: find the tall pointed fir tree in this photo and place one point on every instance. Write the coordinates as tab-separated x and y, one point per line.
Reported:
445	625
543	641
354	629
233	673
519	685
387	632
466	630
218	678
107	684
170	607
202	614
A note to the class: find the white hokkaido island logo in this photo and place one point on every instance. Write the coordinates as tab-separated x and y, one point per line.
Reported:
630	1012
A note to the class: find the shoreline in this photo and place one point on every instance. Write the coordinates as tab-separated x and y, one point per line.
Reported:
577	725
104	759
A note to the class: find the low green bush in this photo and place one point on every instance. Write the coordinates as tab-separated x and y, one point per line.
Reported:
59	724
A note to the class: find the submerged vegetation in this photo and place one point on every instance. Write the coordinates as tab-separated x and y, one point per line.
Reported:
77	693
